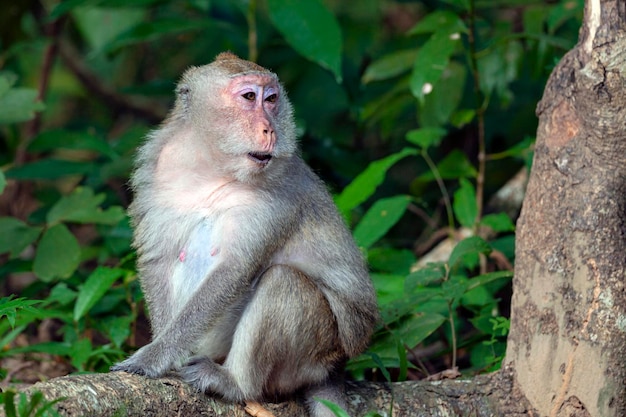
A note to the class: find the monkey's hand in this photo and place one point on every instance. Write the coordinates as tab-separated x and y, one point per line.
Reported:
152	360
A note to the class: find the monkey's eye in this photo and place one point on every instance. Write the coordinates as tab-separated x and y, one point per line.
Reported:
249	95
271	98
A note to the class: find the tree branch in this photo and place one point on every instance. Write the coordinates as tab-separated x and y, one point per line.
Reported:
100	395
109	95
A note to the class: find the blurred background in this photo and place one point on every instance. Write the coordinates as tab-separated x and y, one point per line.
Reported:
419	115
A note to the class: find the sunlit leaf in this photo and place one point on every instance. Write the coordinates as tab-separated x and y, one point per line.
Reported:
94	288
364	185
418	327
464	204
381	217
426	137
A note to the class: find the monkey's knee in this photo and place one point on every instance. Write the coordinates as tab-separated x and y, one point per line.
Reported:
287	337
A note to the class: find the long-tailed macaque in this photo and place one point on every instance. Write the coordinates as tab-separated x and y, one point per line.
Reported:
254	285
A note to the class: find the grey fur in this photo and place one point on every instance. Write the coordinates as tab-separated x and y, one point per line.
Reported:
285	298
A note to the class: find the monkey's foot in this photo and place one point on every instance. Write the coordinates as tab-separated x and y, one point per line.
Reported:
257	410
152	361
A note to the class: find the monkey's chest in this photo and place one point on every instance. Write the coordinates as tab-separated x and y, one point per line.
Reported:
194	261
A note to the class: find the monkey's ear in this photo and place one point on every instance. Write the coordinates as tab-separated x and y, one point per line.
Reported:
183	93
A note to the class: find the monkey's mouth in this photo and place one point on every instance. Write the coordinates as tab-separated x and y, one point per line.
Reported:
260	158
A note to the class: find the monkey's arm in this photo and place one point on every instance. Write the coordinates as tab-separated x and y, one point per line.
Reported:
221	292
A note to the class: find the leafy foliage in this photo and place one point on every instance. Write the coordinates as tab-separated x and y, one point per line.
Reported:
415	113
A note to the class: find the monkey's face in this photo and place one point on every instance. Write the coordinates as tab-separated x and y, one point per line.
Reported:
244	119
253	100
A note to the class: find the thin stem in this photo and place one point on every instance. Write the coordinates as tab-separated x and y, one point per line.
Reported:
442	188
480	109
453	334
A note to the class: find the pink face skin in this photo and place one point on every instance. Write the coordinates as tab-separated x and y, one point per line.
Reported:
256	98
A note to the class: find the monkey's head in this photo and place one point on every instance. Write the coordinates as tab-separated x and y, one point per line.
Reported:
240	112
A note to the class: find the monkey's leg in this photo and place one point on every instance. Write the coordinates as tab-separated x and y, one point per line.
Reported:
285	340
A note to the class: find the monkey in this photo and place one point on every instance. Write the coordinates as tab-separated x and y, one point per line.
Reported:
254	285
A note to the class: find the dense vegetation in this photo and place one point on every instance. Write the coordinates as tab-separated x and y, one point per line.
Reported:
414	112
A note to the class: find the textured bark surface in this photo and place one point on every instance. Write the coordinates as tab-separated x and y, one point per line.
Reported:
568	332
121	394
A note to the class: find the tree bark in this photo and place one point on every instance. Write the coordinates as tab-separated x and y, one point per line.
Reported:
567	341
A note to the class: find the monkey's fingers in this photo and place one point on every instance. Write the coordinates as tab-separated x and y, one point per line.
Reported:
257	410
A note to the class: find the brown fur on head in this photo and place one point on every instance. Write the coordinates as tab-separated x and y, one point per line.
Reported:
234	65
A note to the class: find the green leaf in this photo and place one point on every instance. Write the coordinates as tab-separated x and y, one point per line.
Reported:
387	259
464	204
431	273
397	309
19	105
61	294
437	21
50	169
364	185
487	278
3	182
89	21
498	222
15	235
470	245
389	287
380	364
66	139
58	254
462	117
9	307
433	57
418	327
311	29
8	399
82	206
117	328
404	363
94	288
389	66
381	217
454	165
426	137
154	30
445	98
80	353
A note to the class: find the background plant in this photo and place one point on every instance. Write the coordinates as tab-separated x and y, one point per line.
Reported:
415	113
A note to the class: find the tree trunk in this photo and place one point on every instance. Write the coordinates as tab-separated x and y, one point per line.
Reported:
567	342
